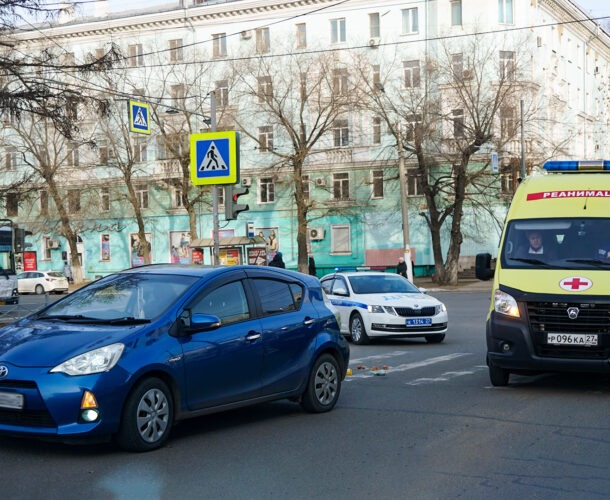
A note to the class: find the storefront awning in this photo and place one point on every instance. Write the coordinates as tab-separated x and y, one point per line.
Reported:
231	241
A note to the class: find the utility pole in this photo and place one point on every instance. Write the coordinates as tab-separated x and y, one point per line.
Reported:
216	251
402	177
522	145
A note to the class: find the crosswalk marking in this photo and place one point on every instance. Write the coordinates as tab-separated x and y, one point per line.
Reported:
413	365
444	377
392	354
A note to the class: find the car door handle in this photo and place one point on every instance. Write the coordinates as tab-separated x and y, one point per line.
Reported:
253	336
308	321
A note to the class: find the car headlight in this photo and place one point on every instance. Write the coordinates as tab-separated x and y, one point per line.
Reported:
390	310
505	304
96	361
375	309
440	309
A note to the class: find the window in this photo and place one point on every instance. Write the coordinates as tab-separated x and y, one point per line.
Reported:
263	42
508	123
376	130
177	201
341	186
104	152
411	72
374	28
301	36
303	87
140	151
222	93
458	123
72	109
413	184
340	239
377	184
297	294
136	57
219	45
327	285
505	11
142	195
44	202
105	199
340	133
99	53
507	183
410	21
413	125
265	88
46	248
266	190
161	149
376	75
507	65
12	204
175	50
305	179
10	158
177	95
456	12
457	67
337	30
74	201
275	296
72	158
340	82
228	302
265	139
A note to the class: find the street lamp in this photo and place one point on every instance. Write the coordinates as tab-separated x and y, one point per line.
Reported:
402	176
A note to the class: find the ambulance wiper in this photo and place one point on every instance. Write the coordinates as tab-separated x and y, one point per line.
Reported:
593	262
533	261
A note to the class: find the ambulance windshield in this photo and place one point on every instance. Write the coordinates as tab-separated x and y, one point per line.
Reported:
565	243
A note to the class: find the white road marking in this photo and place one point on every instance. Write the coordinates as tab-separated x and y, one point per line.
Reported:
412	366
444	377
380	356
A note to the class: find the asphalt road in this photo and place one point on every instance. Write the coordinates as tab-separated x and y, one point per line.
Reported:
433	427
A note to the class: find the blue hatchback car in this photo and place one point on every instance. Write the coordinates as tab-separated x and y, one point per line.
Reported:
132	353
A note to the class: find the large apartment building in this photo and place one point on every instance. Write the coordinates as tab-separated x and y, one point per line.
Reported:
245	50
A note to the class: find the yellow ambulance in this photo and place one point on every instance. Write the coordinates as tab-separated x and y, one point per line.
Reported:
550	304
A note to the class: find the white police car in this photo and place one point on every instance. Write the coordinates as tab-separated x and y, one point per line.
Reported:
376	304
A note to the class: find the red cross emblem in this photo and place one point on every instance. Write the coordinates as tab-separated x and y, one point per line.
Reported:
575	284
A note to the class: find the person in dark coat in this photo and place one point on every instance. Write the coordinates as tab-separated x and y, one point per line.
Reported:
401	268
312	266
277	261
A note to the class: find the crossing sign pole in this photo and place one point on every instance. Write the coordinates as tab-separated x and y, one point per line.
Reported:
215	187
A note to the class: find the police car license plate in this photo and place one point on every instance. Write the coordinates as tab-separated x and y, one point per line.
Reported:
571	339
11	400
419	321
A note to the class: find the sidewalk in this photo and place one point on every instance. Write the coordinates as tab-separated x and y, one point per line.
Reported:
466	285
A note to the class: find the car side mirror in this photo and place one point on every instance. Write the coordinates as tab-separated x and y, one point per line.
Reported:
340	291
483	269
423	290
200	323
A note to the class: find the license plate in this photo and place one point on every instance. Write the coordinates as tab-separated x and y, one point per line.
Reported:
571	339
419	321
11	400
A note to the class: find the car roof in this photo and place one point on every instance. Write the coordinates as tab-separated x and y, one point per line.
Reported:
359	273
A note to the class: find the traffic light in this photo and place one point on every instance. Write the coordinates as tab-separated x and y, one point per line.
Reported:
20	244
232	208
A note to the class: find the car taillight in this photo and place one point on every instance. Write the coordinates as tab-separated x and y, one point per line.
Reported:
48	279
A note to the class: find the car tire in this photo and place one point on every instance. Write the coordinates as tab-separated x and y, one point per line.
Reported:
498	376
39	290
435	339
148	416
357	331
323	386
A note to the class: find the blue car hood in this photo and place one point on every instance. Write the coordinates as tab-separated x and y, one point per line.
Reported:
47	344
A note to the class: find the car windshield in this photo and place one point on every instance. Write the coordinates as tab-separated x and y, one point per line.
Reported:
381	284
55	274
137	296
566	243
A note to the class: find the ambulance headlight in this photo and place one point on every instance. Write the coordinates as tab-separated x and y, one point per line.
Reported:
375	309
505	304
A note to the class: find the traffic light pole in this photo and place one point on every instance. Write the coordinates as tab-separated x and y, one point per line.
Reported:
216	252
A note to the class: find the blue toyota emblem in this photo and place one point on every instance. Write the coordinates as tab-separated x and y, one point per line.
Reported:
3	371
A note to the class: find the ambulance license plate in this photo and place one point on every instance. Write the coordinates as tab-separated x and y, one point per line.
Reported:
11	400
419	321
571	339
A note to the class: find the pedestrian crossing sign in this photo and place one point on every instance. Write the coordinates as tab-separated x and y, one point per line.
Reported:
215	158
139	117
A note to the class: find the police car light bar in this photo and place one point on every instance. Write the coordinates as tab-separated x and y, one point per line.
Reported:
360	268
576	166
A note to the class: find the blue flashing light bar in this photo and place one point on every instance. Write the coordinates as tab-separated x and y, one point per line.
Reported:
577	166
361	268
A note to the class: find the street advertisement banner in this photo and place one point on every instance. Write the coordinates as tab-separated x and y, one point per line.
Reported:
256	257
179	242
136	249
29	261
197	256
230	256
105	247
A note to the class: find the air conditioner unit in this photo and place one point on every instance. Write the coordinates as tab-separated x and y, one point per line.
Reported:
320	181
374	42
246	35
246	181
52	243
316	233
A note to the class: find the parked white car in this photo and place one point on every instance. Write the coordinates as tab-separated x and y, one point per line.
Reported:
375	304
42	281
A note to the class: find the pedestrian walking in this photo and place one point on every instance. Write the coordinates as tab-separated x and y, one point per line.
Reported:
68	271
312	266
401	268
277	261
